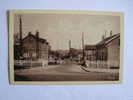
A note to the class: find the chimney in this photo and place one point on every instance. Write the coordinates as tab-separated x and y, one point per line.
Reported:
20	30
105	34
111	33
69	44
29	33
37	34
103	37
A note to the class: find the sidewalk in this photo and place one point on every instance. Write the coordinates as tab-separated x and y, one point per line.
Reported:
100	70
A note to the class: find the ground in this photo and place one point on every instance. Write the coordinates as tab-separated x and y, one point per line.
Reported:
64	72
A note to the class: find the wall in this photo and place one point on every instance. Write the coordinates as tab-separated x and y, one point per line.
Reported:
122	91
114	53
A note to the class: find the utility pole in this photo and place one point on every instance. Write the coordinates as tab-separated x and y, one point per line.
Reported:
69	45
83	46
70	48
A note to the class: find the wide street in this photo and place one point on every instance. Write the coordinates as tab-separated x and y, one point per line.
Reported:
63	72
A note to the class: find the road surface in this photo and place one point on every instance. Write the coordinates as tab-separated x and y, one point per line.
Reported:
63	72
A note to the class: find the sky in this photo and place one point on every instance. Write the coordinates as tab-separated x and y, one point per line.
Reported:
58	29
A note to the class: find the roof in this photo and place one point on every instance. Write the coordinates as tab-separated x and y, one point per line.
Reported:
38	39
90	47
108	40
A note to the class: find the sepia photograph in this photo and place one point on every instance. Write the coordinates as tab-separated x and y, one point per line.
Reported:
48	46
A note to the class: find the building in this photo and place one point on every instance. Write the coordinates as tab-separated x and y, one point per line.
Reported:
90	52
31	47
109	50
105	53
35	47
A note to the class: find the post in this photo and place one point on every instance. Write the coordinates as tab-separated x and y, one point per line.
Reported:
69	47
83	45
83	58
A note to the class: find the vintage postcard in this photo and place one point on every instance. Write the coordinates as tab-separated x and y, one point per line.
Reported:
65	47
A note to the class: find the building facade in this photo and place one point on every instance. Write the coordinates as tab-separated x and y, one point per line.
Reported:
90	52
35	48
106	52
109	50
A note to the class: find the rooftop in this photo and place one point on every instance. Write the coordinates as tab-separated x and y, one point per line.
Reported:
108	39
37	38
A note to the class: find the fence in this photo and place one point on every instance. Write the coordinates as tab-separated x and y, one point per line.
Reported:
102	64
30	63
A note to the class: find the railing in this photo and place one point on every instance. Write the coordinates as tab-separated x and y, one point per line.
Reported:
102	64
30	63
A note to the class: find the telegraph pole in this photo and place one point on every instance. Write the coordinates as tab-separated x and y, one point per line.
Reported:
70	48
69	45
83	46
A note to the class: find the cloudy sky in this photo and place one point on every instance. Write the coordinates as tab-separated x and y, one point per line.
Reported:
58	29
